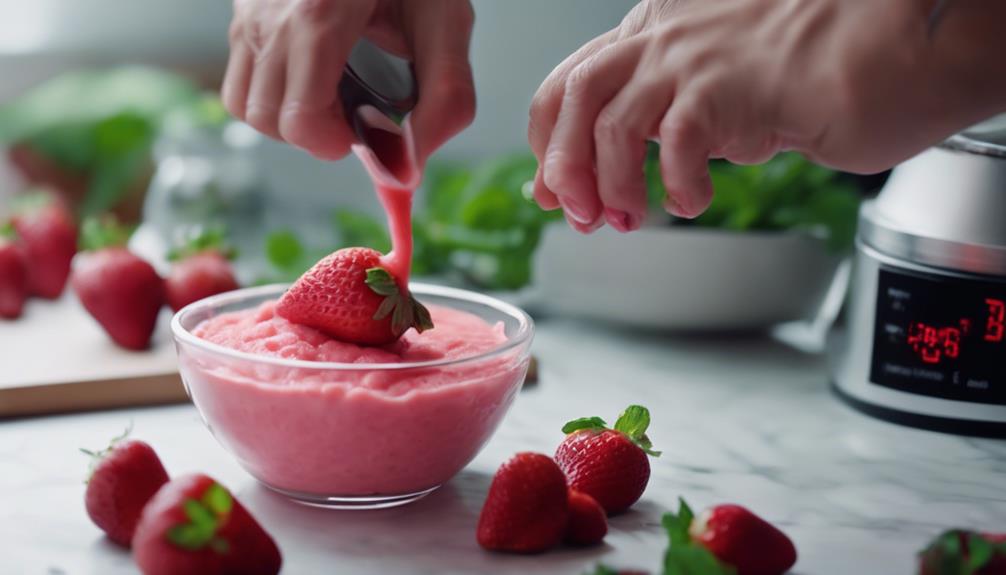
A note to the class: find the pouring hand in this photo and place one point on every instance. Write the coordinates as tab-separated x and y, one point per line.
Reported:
287	57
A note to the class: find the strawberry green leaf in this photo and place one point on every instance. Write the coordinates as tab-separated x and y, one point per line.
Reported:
595	423
213	239
97	456
218	500
387	306
98	233
677	525
422	321
7	231
693	560
381	282
405	311
633	421
204	517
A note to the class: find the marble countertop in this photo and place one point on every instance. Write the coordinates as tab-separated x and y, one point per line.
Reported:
745	420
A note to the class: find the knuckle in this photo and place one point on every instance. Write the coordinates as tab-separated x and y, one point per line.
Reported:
316	11
235	32
262	118
608	126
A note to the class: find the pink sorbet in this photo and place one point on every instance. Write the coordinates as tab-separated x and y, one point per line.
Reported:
345	432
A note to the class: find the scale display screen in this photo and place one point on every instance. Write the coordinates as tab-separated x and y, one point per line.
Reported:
940	336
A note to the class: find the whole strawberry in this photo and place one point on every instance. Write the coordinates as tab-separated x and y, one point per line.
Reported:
199	269
588	524
734	536
959	552
124	477
193	525
610	465
526	509
13	275
350	297
119	289
48	232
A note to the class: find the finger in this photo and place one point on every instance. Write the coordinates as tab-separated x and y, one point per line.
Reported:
234	91
265	91
686	139
311	116
440	32
545	109
547	100
546	200
569	169
620	134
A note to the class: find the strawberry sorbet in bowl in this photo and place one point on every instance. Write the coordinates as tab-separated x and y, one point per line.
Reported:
336	424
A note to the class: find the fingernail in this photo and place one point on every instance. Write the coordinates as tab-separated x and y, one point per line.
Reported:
587	228
575	210
621	221
675	207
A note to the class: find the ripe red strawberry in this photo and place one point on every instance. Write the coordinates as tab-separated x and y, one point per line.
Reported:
735	536
13	276
610	465
350	297
48	232
193	525
124	477
120	290
588	524
960	551
527	508
199	269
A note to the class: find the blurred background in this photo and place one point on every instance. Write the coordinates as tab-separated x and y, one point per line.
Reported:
113	105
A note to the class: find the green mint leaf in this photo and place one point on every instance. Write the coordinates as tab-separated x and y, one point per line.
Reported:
386	307
677	525
7	230
359	229
381	282
633	421
584	423
218	500
283	249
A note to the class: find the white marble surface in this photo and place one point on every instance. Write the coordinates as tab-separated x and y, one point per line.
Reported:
746	420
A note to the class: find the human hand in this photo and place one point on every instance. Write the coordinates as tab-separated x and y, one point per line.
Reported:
851	84
287	57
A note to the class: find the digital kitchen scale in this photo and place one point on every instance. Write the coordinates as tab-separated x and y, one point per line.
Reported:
925	337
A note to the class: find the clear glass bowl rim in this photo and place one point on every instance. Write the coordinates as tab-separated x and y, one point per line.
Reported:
525	331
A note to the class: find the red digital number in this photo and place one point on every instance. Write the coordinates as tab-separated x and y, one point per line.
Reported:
933	344
994	328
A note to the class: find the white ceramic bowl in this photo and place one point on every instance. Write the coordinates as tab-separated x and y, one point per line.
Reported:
683	278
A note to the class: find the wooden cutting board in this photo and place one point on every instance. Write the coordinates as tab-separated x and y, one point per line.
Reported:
56	359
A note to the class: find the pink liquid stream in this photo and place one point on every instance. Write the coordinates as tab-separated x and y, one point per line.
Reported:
390	159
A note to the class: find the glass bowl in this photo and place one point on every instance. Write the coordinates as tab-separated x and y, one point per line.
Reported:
352	435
